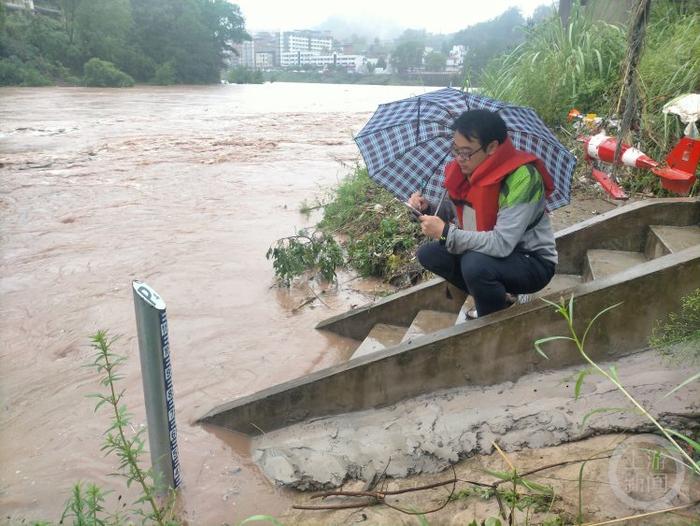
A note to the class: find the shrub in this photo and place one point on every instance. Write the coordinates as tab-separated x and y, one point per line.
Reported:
556	69
100	73
13	72
679	335
381	237
165	74
306	252
244	75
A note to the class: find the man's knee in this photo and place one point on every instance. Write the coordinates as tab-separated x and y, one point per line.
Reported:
428	255
475	267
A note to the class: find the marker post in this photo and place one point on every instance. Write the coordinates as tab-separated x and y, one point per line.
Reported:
156	371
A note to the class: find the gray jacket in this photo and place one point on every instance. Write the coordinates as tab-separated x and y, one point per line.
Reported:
522	223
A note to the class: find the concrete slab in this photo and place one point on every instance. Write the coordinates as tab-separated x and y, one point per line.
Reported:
603	263
398	309
428	433
380	337
429	321
664	240
624	228
560	282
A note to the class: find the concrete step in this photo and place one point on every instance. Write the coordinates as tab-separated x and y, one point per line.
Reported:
603	263
559	282
663	240
380	337
429	321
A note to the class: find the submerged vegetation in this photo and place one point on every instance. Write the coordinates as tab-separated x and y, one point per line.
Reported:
376	233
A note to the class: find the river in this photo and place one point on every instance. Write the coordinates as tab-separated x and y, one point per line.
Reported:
184	188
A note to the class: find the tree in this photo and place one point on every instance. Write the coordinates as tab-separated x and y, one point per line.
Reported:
102	28
180	40
435	61
195	35
409	51
489	39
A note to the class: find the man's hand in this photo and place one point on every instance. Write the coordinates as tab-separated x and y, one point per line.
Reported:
431	226
418	201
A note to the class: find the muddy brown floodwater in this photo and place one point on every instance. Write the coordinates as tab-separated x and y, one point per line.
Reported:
184	188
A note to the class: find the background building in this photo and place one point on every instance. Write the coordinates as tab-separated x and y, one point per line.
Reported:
45	7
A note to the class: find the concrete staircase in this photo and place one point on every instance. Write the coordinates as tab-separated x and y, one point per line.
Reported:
599	263
661	241
409	344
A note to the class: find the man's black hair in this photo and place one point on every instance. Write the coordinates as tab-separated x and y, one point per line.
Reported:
481	125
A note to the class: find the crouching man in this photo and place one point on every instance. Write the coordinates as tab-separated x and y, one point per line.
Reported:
504	244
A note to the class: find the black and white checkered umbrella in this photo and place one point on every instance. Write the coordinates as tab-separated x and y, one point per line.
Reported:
406	144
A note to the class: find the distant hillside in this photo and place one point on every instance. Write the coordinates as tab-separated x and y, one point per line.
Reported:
343	28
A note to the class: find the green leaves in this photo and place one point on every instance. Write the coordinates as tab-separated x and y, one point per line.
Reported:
314	252
600	410
378	237
121	442
567	311
678	336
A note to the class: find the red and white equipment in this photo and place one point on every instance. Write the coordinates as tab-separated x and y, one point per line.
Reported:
677	174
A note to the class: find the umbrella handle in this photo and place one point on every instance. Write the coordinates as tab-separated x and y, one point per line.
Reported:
442	198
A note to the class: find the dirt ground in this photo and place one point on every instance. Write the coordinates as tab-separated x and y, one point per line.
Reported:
598	498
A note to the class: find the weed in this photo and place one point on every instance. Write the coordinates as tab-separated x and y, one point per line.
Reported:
86	504
314	252
376	233
678	336
556	69
566	310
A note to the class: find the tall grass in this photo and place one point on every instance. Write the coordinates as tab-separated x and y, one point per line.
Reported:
670	66
557	68
582	66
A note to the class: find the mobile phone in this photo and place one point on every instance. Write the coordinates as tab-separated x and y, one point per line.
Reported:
413	210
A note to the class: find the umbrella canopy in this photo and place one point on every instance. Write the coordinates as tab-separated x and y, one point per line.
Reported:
406	144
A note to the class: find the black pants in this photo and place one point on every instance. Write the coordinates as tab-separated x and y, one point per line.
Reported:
488	278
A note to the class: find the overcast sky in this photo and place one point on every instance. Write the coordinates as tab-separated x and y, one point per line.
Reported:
436	16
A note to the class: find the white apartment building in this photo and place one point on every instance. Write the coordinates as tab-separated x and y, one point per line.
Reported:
301	58
264	60
455	59
246	54
305	41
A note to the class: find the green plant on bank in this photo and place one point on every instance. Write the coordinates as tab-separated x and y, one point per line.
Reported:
566	310
582	66
557	68
100	73
306	252
380	235
535	498
86	506
244	75
375	230
678	336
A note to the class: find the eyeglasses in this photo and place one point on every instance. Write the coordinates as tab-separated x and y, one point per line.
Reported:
463	155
